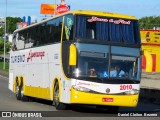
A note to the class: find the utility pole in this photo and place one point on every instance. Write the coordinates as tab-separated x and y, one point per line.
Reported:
55	5
4	65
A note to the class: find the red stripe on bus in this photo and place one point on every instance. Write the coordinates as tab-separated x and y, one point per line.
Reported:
154	62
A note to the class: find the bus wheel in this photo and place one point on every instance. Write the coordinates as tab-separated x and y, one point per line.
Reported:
56	102
18	92
23	97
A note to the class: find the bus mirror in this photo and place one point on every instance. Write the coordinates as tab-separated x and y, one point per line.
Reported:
72	55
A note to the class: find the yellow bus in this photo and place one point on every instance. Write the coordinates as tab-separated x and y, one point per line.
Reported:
80	57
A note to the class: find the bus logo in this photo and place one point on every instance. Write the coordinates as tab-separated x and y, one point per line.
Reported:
97	19
93	19
107	90
34	55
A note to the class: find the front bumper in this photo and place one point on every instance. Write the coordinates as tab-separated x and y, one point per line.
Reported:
78	97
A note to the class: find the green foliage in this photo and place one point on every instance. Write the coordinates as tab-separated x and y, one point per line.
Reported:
7	45
149	22
6	66
10	25
1	31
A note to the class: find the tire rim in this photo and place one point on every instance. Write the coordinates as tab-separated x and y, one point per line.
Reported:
22	92
17	90
56	95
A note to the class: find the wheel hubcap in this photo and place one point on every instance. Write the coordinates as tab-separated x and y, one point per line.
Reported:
22	92
56	95
17	89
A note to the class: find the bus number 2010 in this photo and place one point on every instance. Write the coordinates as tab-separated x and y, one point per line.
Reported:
125	87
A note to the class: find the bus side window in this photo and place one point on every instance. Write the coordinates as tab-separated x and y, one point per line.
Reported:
14	47
90	30
53	28
37	36
68	27
27	45
21	40
90	34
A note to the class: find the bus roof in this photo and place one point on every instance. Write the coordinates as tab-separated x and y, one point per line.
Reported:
105	14
84	12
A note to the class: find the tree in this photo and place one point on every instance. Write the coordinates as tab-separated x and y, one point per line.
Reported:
1	31
8	46
10	25
149	22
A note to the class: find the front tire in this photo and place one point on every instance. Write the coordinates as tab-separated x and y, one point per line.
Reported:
18	92
56	99
23	97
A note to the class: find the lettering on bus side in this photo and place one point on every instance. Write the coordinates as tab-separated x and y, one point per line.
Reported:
18	59
32	55
110	20
56	56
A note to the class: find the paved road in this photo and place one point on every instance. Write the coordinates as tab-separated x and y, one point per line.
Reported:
8	102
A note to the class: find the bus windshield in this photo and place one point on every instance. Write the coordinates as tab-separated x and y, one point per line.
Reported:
98	62
121	67
103	29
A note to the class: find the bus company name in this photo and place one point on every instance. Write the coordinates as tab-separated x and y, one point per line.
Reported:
97	19
87	84
34	55
120	21
109	20
18	59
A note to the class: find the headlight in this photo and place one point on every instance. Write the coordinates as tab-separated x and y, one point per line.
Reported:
82	89
132	92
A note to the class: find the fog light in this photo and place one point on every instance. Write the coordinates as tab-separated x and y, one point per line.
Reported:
135	101
76	96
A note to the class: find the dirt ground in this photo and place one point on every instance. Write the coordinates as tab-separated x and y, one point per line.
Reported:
151	75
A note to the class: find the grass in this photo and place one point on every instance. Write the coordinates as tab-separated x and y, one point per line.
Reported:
6	66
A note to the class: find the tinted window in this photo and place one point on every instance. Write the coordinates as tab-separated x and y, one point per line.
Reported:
68	27
42	34
20	43
14	47
107	29
53	30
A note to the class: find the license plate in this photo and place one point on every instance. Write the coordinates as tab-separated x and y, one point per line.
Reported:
107	99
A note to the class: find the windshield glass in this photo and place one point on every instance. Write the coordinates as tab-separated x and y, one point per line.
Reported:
98	62
122	67
92	67
103	29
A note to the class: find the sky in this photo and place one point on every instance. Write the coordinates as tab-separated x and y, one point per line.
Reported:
137	8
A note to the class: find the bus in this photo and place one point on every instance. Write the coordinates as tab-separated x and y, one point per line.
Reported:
79	57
